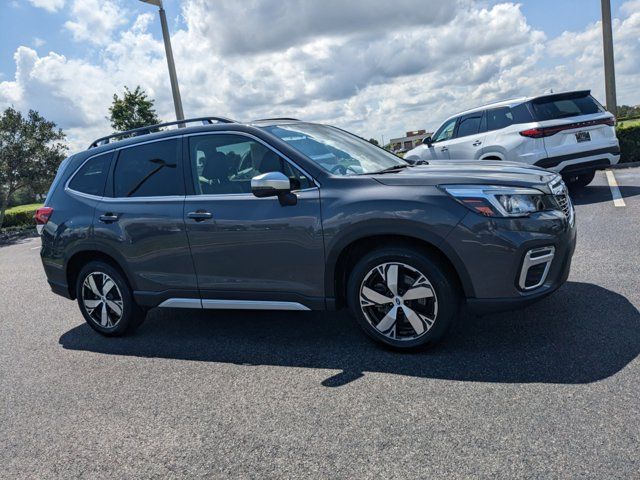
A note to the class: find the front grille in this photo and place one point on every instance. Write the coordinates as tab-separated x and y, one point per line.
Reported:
561	194
564	203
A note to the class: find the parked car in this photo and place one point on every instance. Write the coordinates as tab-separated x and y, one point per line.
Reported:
286	215
570	133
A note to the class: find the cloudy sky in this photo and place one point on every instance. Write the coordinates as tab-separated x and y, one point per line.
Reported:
376	67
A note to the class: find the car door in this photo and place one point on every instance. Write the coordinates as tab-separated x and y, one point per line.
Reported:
439	147
140	221
251	252
467	140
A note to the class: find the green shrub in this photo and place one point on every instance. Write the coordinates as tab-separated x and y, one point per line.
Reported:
20	216
629	137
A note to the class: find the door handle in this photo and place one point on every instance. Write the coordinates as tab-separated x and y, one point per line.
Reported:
476	143
444	149
200	215
108	218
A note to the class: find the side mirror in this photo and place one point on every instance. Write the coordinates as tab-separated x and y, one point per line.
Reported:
427	141
270	184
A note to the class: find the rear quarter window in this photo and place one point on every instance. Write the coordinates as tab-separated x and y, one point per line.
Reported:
91	177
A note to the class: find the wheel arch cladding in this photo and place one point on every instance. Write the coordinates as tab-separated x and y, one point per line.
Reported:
81	258
343	261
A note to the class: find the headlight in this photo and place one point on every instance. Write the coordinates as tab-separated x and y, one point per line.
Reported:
498	201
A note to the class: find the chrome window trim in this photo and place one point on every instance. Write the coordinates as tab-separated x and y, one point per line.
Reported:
253	137
160	198
73	175
216	196
155	140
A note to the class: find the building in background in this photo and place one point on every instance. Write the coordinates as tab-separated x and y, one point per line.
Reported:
409	141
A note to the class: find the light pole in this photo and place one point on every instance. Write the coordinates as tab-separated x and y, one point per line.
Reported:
175	90
609	70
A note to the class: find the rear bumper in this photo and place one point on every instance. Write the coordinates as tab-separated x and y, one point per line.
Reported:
582	162
61	289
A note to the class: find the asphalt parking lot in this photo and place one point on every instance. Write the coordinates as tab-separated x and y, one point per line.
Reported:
550	392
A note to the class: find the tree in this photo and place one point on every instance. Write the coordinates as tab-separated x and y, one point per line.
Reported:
374	141
627	111
133	110
31	149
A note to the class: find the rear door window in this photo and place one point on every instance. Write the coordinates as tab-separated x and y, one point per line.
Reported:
564	106
149	170
92	176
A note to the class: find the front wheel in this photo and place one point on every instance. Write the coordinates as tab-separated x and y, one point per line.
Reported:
106	300
579	181
402	297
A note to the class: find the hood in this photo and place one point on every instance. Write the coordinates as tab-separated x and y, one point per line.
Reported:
471	172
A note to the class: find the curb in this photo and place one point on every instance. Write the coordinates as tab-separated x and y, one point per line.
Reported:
618	166
15	236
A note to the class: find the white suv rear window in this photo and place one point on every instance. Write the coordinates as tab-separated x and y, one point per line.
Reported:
551	108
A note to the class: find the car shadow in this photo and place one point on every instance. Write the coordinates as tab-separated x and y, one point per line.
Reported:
599	194
581	334
14	238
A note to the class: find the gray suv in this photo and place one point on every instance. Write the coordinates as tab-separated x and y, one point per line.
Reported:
280	214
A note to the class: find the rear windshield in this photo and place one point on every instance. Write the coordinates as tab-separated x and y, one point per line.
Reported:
564	106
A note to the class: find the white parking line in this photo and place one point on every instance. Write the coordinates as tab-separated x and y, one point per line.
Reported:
618	201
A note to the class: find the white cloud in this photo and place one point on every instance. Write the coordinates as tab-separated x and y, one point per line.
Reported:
375	74
49	5
94	21
38	42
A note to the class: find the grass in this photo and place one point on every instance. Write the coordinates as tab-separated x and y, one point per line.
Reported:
634	122
24	208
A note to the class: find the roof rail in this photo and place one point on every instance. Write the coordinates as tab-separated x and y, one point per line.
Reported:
276	118
155	128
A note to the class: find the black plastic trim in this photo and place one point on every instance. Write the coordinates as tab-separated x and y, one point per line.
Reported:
555	161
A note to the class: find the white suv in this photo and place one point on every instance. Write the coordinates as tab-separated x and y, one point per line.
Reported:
570	133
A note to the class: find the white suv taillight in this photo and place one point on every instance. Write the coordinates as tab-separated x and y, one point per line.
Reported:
42	217
548	131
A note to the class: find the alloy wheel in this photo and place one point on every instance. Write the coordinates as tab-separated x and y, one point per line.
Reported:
102	299
398	301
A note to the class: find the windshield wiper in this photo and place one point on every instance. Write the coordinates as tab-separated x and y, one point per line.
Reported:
392	168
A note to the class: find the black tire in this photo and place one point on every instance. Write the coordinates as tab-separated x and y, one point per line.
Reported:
440	280
579	181
130	316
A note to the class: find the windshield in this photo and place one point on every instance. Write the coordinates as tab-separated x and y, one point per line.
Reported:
336	151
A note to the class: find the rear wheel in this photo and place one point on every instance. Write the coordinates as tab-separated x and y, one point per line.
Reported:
579	181
402	297
106	300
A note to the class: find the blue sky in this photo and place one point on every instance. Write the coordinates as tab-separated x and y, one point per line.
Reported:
555	16
21	23
365	65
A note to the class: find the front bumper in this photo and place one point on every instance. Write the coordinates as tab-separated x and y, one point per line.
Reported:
492	252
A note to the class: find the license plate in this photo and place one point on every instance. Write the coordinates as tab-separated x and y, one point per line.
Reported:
583	137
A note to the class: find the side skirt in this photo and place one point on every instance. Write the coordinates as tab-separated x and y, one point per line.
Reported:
231	304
